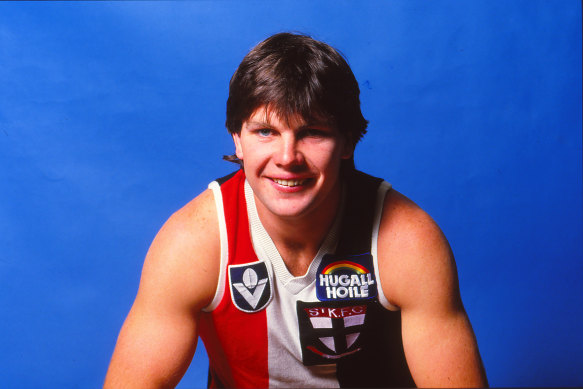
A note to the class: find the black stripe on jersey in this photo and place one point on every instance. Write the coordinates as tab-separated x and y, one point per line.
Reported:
381	362
226	178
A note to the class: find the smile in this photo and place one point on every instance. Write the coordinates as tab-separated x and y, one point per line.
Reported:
290	183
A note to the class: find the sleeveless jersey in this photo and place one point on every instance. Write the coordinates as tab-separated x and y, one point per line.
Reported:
332	327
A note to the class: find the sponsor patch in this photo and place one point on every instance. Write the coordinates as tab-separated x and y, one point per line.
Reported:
330	331
346	278
250	284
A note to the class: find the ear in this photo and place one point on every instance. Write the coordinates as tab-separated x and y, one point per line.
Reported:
347	149
238	148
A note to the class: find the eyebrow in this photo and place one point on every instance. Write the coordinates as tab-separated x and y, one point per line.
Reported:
303	126
258	124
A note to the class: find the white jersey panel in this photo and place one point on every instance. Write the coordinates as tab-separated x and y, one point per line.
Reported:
220	291
380	201
284	350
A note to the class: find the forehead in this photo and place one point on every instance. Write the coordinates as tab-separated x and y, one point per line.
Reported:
268	115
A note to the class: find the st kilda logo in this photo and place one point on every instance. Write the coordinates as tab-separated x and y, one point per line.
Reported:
330	331
250	285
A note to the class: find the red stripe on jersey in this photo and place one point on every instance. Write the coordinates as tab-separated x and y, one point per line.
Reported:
236	341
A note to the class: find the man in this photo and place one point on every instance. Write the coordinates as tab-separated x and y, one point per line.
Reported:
297	270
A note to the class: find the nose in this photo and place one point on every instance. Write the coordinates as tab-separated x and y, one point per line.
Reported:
288	153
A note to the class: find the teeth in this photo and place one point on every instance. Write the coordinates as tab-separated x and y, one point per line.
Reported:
289	182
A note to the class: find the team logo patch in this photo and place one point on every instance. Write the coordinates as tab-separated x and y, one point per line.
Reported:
250	286
346	278
330	331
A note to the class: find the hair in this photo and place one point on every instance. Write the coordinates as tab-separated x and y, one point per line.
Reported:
294	74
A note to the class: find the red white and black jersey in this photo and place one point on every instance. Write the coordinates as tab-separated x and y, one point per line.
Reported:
332	327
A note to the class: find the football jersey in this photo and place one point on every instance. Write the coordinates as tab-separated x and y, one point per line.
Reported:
331	327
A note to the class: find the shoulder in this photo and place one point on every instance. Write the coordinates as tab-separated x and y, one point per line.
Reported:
183	260
415	260
192	224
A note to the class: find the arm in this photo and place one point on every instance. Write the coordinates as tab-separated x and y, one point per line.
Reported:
179	277
418	269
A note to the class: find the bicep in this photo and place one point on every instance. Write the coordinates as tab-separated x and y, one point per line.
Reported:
158	338
154	348
438	339
441	349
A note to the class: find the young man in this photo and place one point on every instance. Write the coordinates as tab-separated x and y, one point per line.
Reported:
298	270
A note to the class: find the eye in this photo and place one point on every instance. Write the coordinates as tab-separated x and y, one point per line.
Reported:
263	132
315	133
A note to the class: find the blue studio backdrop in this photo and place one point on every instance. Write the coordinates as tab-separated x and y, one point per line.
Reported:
111	118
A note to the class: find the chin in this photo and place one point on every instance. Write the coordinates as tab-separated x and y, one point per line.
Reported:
288	211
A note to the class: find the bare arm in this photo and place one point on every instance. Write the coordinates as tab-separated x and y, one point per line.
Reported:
179	277
419	272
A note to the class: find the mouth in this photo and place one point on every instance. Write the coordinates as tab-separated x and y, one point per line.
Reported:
290	183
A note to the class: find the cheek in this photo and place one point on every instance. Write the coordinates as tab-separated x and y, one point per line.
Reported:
334	152
327	157
255	158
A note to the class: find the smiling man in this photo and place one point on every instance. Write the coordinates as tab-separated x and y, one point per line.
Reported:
298	270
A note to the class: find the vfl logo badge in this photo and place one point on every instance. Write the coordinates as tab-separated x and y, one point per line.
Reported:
250	286
349	278
329	332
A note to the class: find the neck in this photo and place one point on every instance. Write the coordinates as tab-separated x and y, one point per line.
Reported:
298	239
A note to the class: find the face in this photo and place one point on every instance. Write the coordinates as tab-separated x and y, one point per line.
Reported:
293	168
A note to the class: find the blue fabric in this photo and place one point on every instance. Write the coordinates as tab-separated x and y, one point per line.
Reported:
111	118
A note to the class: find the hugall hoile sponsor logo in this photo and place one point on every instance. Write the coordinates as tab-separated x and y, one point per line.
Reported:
346	278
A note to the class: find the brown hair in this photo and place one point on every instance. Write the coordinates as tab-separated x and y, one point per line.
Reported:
294	74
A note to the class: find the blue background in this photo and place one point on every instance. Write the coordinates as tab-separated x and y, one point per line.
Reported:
111	118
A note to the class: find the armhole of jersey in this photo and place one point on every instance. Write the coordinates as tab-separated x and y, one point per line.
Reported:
380	201
216	188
